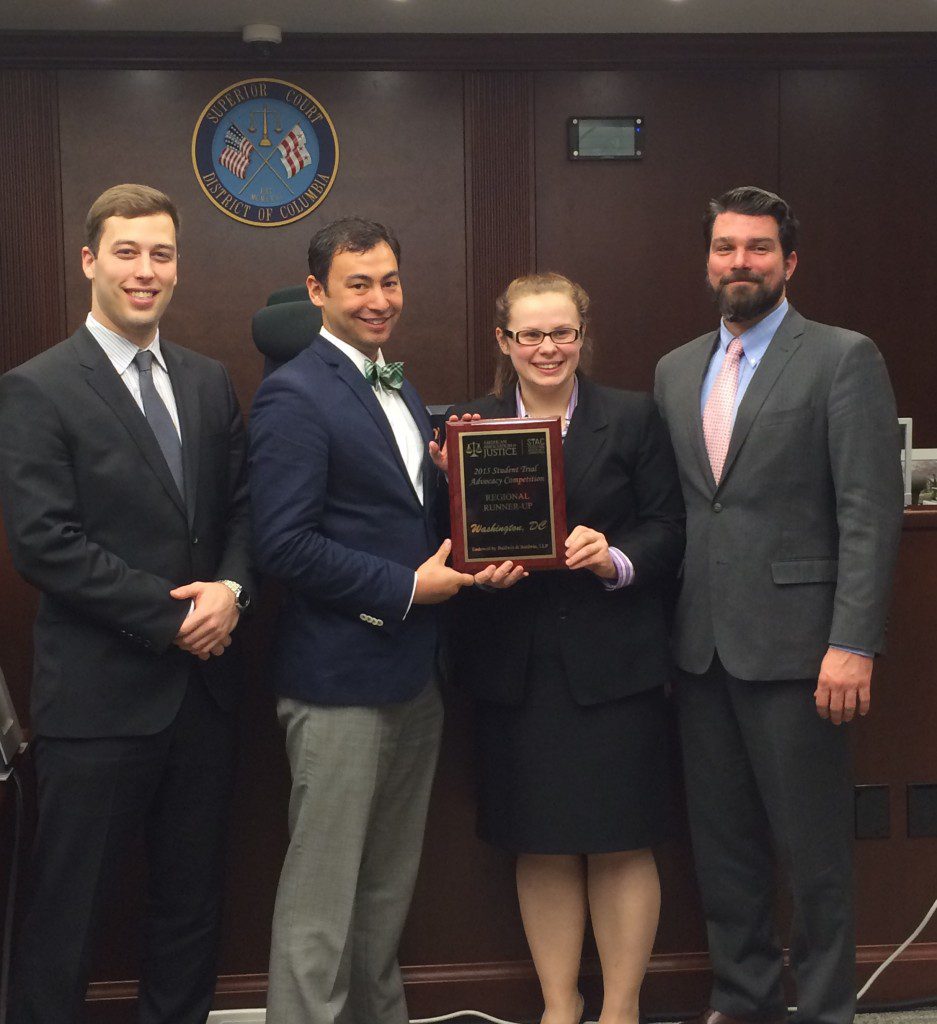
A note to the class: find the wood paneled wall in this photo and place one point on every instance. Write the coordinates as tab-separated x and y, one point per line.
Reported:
459	145
629	231
32	311
858	153
500	229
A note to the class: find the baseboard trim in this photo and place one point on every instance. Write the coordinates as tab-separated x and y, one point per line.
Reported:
676	982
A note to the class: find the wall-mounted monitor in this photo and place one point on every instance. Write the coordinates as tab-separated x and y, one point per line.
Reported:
606	138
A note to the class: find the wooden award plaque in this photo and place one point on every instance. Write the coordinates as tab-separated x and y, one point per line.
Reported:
507	493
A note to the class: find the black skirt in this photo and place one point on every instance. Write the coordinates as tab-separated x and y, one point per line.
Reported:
557	777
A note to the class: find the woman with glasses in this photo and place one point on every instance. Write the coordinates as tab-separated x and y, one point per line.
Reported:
568	666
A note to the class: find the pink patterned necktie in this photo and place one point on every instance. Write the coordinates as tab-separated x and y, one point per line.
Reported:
717	416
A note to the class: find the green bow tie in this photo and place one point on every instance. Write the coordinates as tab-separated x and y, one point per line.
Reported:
390	374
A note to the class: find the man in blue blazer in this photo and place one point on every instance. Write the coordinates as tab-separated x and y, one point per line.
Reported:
342	490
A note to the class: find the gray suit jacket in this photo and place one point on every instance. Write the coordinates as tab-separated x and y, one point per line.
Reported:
795	549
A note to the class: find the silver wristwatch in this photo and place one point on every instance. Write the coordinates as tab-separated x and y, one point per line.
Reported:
237	590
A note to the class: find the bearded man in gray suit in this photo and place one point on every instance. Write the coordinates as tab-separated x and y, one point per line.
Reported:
785	432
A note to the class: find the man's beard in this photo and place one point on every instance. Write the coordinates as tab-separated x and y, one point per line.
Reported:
746	303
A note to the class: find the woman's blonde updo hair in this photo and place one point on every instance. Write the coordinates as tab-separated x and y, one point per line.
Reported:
520	288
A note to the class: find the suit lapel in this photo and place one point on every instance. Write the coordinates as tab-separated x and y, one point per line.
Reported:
185	391
697	366
502	408
586	436
784	344
364	393
105	381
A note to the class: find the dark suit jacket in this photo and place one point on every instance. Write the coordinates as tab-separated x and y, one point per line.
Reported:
95	521
620	480
795	549
337	520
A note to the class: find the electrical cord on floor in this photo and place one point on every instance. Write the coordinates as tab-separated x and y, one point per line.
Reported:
894	956
456	1016
459	1014
7	948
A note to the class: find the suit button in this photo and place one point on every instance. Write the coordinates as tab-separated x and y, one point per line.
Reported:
363	617
194	538
717	506
378	622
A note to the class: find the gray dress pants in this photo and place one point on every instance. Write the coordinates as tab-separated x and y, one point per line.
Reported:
361	784
768	781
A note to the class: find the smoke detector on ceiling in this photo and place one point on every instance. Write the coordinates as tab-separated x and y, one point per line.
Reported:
262	38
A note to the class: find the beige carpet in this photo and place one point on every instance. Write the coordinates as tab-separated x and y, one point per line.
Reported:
928	1016
903	1017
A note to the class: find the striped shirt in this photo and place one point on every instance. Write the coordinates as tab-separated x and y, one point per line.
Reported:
120	351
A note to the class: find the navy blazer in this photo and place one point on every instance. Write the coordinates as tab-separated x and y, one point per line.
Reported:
621	479
336	519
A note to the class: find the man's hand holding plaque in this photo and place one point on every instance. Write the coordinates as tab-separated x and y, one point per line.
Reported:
435	581
498	577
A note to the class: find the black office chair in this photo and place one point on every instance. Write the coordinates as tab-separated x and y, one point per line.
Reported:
285	326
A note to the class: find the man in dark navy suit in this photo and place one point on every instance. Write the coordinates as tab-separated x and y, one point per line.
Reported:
342	495
125	503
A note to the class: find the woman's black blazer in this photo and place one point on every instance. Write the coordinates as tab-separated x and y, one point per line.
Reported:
621	479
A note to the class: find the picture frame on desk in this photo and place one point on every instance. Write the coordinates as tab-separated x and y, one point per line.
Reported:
924	476
11	734
904	428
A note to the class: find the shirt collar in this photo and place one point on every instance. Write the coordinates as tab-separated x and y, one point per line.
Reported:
755	340
570	408
121	350
358	358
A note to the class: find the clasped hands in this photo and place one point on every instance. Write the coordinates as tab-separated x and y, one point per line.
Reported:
207	629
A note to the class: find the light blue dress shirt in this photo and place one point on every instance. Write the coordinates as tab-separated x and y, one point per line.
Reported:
755	342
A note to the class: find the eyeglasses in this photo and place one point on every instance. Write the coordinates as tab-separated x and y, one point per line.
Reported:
561	336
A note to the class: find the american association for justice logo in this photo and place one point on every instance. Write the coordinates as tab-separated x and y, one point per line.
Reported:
265	152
